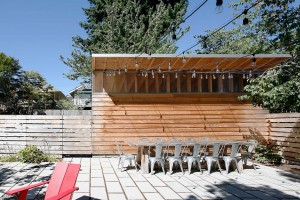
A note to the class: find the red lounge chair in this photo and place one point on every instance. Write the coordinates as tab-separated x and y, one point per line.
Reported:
61	184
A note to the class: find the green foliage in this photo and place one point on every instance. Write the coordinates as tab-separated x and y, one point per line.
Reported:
134	26
268	154
278	89
22	92
9	158
274	28
65	105
32	154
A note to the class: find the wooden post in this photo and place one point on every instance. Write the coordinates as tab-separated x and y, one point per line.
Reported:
146	84
168	81
189	83
220	83
97	81
199	84
230	84
178	84
136	84
157	83
210	83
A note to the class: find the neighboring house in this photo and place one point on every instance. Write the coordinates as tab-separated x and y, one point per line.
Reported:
57	94
81	97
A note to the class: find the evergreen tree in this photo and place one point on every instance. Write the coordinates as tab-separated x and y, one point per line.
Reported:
125	26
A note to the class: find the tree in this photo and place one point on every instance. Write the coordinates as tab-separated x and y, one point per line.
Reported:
274	28
65	105
122	26
22	92
9	74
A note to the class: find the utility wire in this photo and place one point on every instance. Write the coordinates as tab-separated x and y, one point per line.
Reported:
220	28
170	27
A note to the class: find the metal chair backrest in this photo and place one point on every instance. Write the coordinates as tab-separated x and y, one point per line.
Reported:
217	149
158	150
119	148
177	152
252	146
196	150
235	148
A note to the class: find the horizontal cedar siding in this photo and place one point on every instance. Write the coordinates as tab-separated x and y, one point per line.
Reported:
285	131
125	117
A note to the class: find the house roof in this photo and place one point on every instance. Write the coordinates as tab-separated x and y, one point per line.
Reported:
199	62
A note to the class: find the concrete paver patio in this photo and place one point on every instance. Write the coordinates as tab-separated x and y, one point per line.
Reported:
99	178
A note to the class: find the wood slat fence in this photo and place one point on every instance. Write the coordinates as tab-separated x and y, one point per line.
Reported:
284	131
54	134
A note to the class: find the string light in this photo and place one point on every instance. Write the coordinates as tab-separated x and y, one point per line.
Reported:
201	76
183	58
214	77
169	66
136	64
253	61
223	76
119	72
217	68
163	76
206	77
176	75
219	6
159	70
245	20
194	74
125	70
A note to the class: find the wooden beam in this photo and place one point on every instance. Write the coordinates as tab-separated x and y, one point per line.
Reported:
178	83
97	81
168	81
220	83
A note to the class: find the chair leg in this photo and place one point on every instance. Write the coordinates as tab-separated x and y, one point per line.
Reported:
219	166
171	166
180	164
190	163
122	164
227	163
237	166
152	167
199	164
208	163
253	163
162	166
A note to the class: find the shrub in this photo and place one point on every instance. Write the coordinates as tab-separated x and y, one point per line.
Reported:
268	154
32	154
9	158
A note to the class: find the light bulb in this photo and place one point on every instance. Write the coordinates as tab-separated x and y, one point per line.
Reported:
125	70
119	72
163	76
176	75
159	70
206	77
214	77
201	76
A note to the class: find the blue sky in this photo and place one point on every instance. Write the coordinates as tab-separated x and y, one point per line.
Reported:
37	32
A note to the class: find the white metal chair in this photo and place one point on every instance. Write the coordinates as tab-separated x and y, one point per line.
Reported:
214	157
196	157
250	152
233	156
157	158
176	158
123	157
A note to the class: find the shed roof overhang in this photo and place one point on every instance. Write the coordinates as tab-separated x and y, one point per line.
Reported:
198	62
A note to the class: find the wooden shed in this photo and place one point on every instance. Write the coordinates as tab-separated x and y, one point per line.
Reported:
162	95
